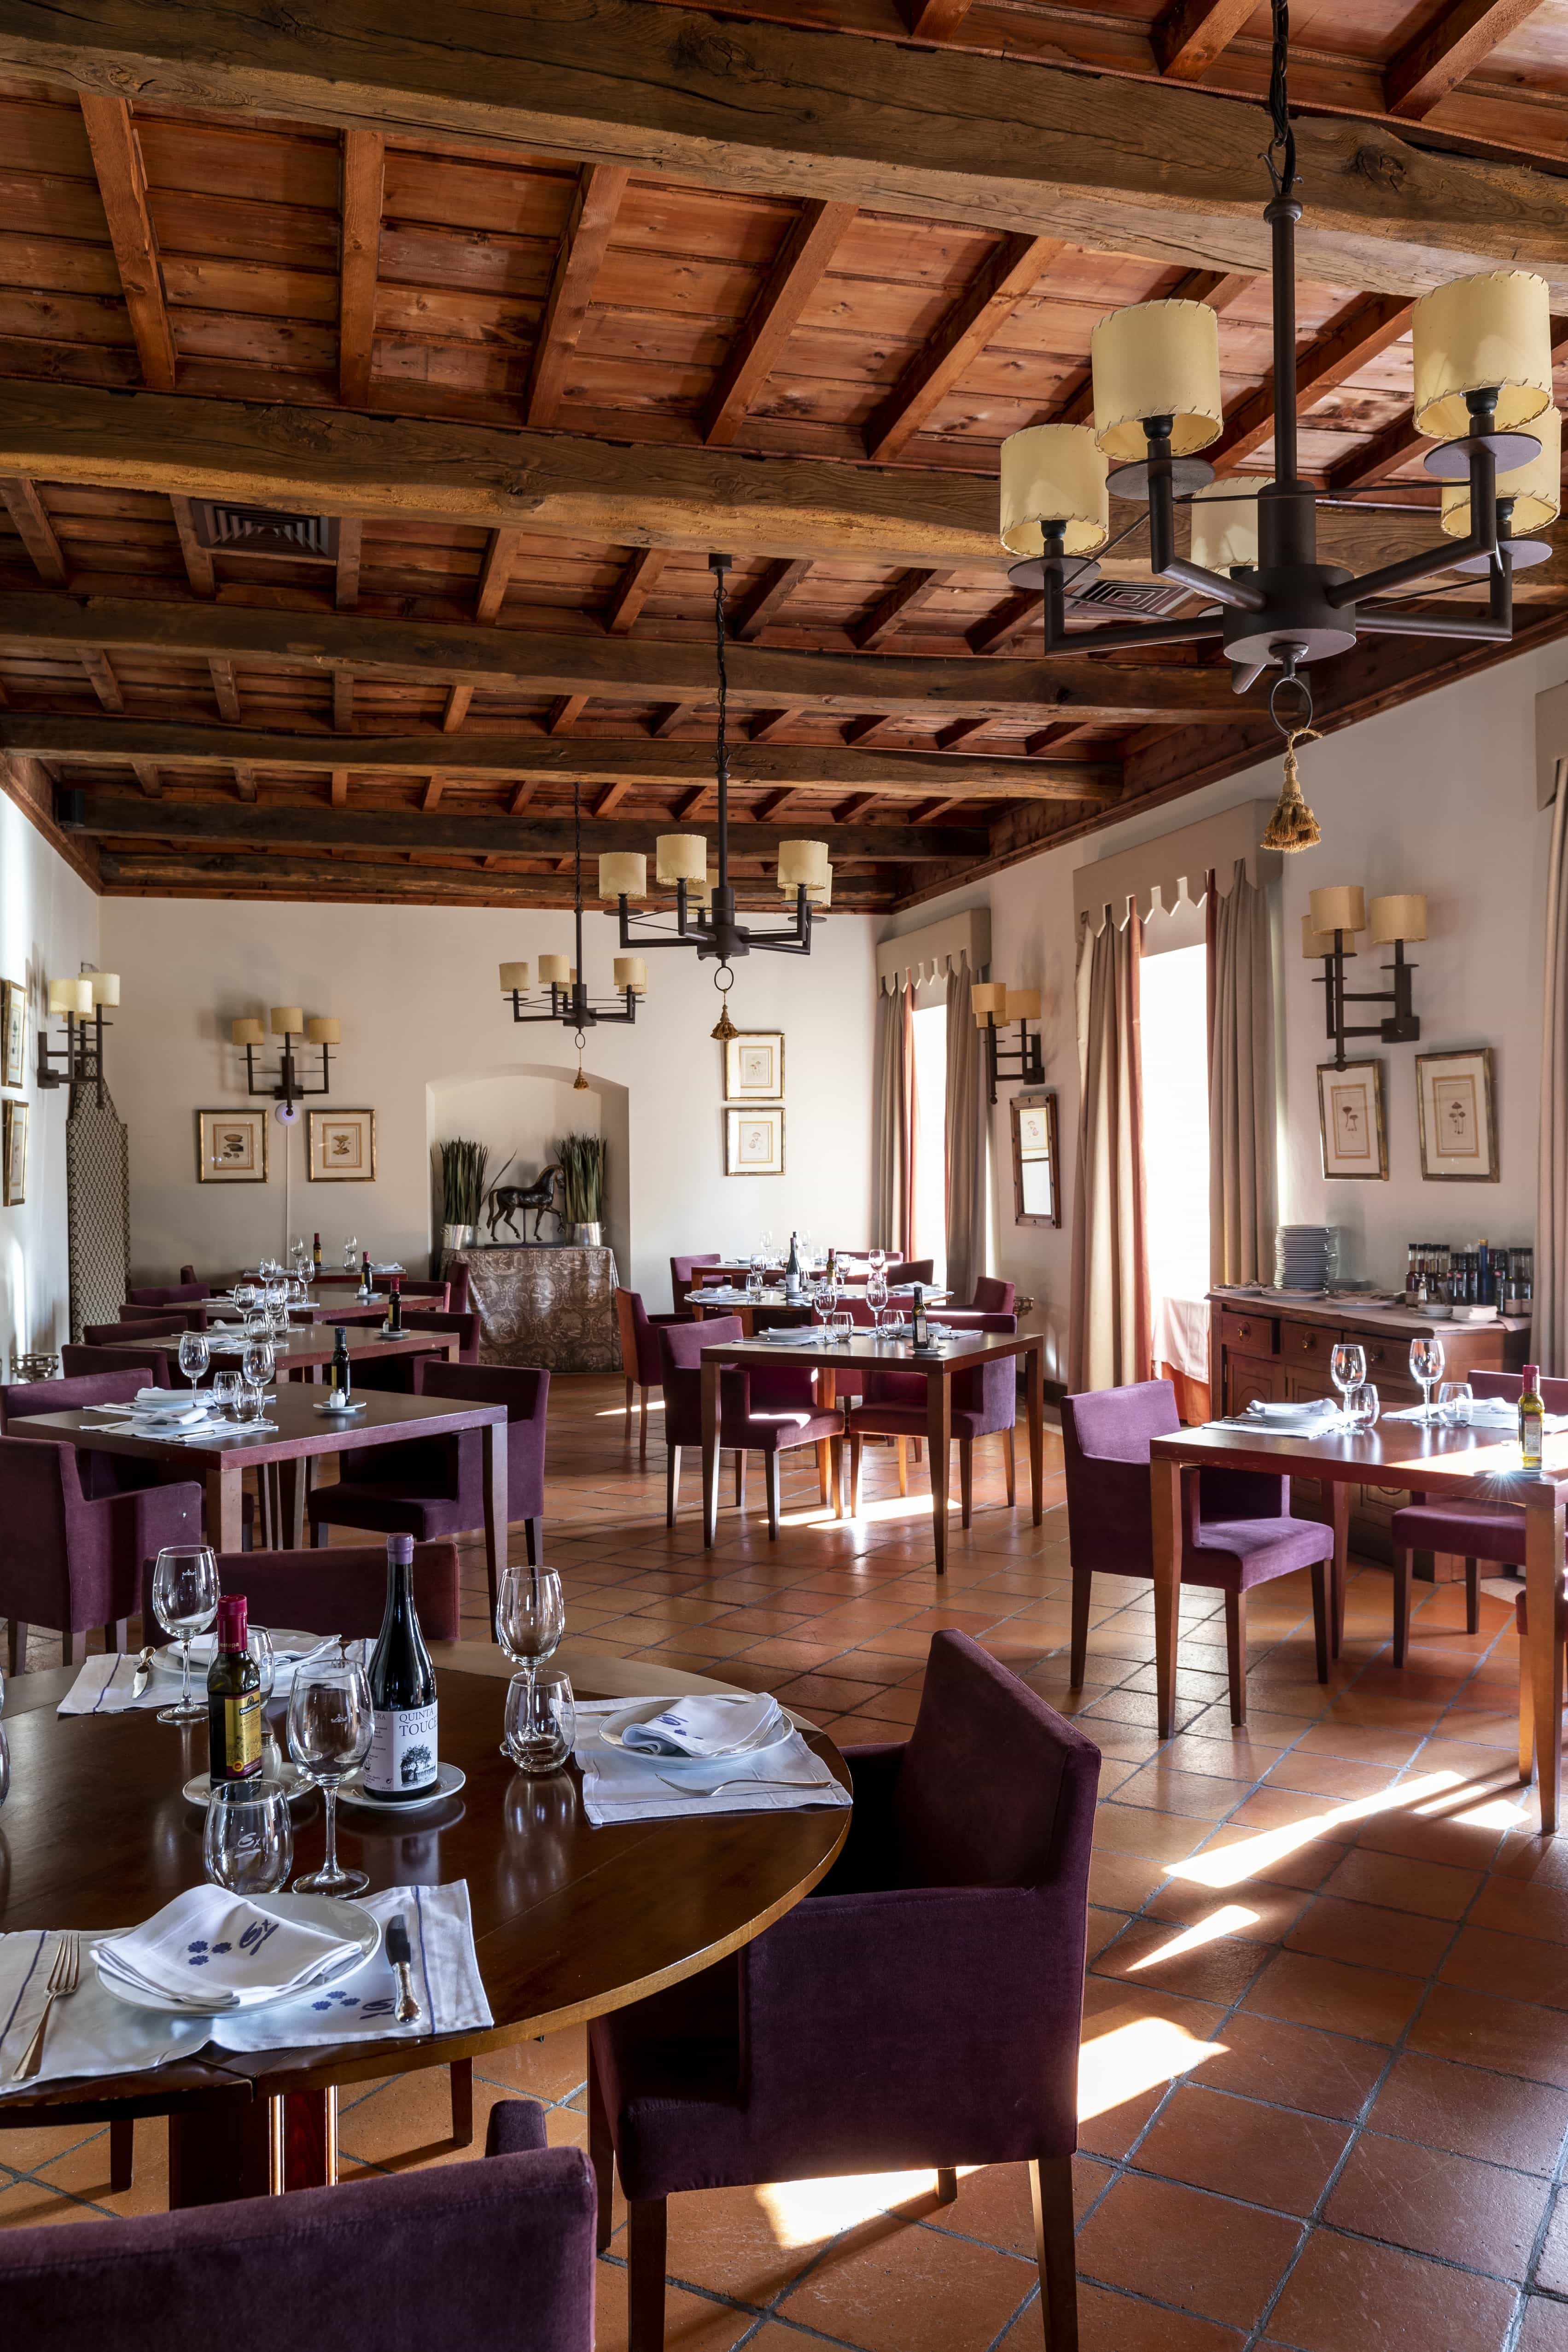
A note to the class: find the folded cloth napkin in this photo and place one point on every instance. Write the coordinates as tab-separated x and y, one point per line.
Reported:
795	1335
703	1727
618	1786
212	1950
1497	1413
1298	1409
106	1683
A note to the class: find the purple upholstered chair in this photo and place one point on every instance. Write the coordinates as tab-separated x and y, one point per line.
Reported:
397	1372
436	2254
113	1379
683	1277
69	1563
640	1355
457	1275
916	1269
922	2007
170	1294
985	1404
766	1409
343	1590
1237	1529
151	1363
993	1296
434	1486
173	1315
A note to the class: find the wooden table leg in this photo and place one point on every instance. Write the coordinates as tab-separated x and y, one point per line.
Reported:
1034	1362
292	1480
939	1432
710	1454
1164	1495
493	1474
1544	1537
309	2137
1339	1517
226	1507
828	1398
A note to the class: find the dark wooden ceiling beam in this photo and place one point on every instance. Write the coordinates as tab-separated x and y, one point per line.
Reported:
1460	40
346	575
225	691
751	614
798	269
363	171
36	533
934	20
196	558
190	872
122	184
1008	618
632	590
579	260
105	684
906	596
981	310
496	576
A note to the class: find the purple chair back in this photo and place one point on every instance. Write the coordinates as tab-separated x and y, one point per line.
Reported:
447	1319
680	1371
524	1389
153	1363
919	1269
70	1561
21	1400
176	1317
640	1358
458	1285
683	1277
1509	1386
170	1294
993	1296
340	1590
438	1293
1105	1436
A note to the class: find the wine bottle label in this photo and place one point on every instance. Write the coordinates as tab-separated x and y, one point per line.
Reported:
404	1755
239	1740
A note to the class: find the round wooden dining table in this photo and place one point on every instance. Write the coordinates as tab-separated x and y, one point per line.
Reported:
569	1921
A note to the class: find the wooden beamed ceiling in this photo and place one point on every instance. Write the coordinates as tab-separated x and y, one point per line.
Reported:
540	332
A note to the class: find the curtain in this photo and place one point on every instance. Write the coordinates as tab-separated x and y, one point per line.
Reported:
1108	1333
1241	1204
1549	1336
893	1158
968	1136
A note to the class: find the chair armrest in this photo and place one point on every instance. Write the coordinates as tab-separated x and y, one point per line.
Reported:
868	1859
517	2128
676	1317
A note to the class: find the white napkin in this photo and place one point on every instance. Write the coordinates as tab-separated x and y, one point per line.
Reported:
1496	1413
794	1335
702	1727
1300	1409
103	1687
617	1787
210	1950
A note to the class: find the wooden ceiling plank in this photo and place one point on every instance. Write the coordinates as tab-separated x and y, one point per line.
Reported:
105	684
346	578
496	574
147	777
798	269
949	737
1013	272
456	710
1355	337
225	690
852	810
359	242
934	20
521	798
564	713
751	614
579	260
122	184
632	590
196	558
339	788
1451	49
225	874
689	803
906	596
1190	34
36	533
343	701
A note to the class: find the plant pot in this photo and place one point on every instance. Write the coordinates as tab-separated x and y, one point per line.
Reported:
586	1236
457	1237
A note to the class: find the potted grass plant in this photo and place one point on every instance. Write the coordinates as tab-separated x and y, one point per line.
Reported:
581	1158
463	1166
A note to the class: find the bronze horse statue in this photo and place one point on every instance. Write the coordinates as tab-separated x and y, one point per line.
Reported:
503	1200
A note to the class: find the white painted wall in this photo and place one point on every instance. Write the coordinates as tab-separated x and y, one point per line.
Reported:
48	927
417	993
1438	797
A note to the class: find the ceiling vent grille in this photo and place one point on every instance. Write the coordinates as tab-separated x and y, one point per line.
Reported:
1129	599
264	530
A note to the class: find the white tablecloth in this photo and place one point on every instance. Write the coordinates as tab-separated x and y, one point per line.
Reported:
1181	1335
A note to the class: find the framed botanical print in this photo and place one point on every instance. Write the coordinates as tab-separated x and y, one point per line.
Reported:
231	1146
14	1147
754	1067
13	1033
340	1147
754	1141
1351	1117
1456	1108
1037	1195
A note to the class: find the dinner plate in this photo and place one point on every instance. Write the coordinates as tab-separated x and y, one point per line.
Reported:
767	1737
332	1912
339	1409
449	1779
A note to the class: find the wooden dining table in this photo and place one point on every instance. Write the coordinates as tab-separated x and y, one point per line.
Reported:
713	1301
307	1348
569	1921
862	1350
1423	1457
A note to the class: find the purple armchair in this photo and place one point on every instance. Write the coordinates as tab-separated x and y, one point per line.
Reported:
768	1409
438	2254
113	1379
1237	1529
683	1277
171	1294
985	1404
993	1297
640	1360
70	1562
342	1592
151	1363
922	2007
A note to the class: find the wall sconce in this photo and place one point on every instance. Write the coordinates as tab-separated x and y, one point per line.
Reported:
82	1002
287	1085
994	1003
1337	914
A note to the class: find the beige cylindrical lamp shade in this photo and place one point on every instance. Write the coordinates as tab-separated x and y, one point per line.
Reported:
105	986
821	894
1492	332
1157	359
513	979
700	890
623	873
247	1033
288	1020
324	1029
1054	473
631	971
680	857
988	996
1320	943
71	996
555	971
1023	1005
1535	488
802	861
1400	917
1340	907
1224	522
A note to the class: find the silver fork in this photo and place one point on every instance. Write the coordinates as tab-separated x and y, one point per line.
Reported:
65	1975
740	1781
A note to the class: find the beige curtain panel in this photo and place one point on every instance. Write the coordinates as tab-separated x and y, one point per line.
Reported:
1108	1331
1550	1331
1241	1104
969	1138
894	1110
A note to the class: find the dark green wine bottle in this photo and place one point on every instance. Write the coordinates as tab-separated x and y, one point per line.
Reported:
233	1699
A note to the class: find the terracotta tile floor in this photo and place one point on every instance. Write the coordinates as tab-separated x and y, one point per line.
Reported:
1324	2088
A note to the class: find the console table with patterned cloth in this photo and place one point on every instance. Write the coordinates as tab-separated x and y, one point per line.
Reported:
551	1306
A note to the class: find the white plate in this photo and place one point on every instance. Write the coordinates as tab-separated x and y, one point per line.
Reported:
614	1726
449	1779
298	1784
330	1913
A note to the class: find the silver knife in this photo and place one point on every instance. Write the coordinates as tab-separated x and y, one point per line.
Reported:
144	1675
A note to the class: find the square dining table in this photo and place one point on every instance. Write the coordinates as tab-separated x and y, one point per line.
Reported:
1423	1457
831	1353
307	1348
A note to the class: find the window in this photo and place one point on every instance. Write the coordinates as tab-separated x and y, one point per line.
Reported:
1173	1024
931	1132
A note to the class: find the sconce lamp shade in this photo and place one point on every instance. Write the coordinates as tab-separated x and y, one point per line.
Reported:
321	1029
1023	1003
802	861
821	894
1402	918
288	1021
105	986
1480	334
989	996
631	971
623	873
1157	359
680	857
513	979
1342	908
699	891
1224	522
1054	473
1319	943
1535	488
555	971
71	996
247	1033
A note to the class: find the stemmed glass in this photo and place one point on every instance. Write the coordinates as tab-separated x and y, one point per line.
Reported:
351	1254
226	1391
1347	1367
244	1296
185	1602
1426	1366
194	1355
821	1292
329	1725
530	1618
247	1838
256	1364
876	1293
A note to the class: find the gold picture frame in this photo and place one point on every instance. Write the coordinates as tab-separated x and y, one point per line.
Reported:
13	1154
753	1140
1352	1122
1455	1115
13	1033
340	1147
231	1146
754	1067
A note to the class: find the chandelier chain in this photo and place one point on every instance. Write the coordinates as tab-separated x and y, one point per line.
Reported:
1280	157
719	628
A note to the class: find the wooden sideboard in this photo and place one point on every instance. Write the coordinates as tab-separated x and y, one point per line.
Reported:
1279	1349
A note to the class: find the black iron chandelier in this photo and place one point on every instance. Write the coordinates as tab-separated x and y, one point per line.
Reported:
561	980
1482	371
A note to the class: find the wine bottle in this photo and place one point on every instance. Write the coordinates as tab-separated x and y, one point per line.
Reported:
792	1271
315	1254
394	1307
365	1283
402	1761
233	1699
1531	1420
341	1388
919	1328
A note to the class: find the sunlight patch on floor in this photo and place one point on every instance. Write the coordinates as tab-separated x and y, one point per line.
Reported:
1227	1866
1140	2055
805	2212
1226	1921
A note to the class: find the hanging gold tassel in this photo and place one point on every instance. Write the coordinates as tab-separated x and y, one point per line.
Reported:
1292	825
579	1084
723	1028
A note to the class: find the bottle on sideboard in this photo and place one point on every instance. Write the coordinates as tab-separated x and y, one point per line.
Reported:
792	1271
1532	1419
234	1698
404	1762
314	1253
366	1286
340	1381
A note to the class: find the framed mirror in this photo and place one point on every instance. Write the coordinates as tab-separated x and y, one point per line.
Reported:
1037	1190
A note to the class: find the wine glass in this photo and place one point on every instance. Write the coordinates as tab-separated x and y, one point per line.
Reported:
820	1293
754	1282
541	1720
244	1296
351	1254
226	1390
531	1616
1426	1366
1455	1401
247	1838
329	1723
1347	1367
1363	1405
876	1293
256	1364
194	1355
185	1602
277	1305
877	1261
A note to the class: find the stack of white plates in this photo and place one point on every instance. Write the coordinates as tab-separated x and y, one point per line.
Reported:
1305	1257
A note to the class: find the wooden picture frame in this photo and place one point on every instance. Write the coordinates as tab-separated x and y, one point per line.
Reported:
754	1141
1037	1168
340	1147
754	1067
231	1146
13	1033
13	1155
1352	1122
1455	1115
